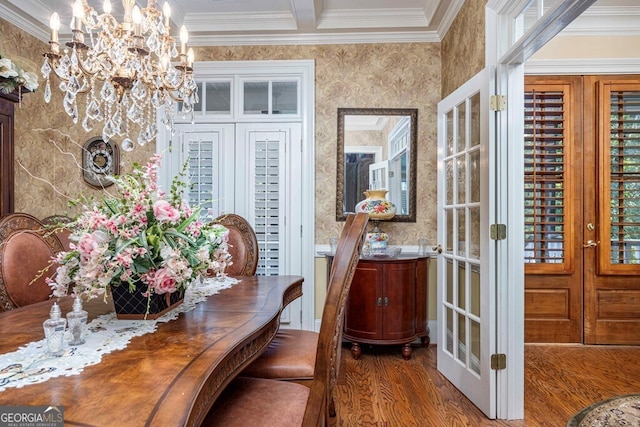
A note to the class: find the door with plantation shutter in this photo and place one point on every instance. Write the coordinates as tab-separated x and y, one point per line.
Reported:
582	209
553	186
268	191
253	170
612	283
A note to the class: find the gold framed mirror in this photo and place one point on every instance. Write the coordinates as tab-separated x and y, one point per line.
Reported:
377	148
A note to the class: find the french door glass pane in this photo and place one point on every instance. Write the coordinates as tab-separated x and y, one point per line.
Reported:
461	178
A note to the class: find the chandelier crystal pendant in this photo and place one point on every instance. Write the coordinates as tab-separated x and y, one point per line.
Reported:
124	69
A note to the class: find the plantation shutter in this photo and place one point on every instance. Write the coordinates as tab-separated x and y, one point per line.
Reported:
205	175
267	197
620	179
548	216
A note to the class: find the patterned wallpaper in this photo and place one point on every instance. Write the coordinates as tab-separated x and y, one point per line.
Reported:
463	46
404	75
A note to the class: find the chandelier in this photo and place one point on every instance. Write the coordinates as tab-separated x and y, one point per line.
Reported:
124	69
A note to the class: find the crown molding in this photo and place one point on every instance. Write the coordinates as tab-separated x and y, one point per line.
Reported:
606	21
315	38
28	24
449	17
578	66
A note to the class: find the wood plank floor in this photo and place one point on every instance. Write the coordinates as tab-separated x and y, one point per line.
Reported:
382	389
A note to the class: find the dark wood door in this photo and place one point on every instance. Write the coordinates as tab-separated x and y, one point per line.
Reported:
6	152
582	209
553	214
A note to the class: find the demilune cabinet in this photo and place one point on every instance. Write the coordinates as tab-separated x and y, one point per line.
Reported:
387	303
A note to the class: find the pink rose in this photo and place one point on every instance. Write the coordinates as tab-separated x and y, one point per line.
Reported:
87	245
163	281
163	211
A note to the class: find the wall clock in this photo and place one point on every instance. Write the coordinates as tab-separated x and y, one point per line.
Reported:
101	158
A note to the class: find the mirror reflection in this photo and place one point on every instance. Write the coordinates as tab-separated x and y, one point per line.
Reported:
377	150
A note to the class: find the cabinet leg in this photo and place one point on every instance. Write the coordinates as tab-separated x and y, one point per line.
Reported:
426	339
356	351
406	351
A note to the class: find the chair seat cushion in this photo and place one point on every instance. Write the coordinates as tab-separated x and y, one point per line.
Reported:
259	402
290	356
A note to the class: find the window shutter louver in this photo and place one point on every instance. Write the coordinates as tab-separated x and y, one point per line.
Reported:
546	179
621	144
202	172
267	197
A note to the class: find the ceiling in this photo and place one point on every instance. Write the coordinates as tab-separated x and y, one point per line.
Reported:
261	22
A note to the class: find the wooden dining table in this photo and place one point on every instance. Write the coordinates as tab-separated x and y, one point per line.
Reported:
170	377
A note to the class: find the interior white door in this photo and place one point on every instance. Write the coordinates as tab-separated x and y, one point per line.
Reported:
466	296
269	191
253	170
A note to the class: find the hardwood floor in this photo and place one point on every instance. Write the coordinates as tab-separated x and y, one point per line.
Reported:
382	389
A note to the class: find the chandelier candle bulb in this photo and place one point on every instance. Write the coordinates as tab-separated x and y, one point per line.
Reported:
166	11
78	14
184	38
106	6
54	24
190	58
137	19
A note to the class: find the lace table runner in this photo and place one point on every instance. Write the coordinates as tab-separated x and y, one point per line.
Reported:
31	364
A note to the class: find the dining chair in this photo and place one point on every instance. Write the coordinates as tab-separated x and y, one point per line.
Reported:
267	402
243	245
56	223
26	253
291	356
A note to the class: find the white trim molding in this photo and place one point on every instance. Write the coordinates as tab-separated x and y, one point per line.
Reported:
577	66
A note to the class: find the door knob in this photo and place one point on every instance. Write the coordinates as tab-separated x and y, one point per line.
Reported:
590	244
437	248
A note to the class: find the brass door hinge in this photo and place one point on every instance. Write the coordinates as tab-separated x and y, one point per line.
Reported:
498	103
498	361
498	231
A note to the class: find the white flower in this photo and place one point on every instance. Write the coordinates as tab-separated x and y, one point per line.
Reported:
7	69
30	80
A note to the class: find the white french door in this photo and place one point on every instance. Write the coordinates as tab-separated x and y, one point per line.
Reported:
466	294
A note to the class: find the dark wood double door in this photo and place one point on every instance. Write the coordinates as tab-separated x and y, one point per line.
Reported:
582	209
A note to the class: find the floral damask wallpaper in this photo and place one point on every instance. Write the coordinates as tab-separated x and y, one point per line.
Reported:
407	75
463	47
403	75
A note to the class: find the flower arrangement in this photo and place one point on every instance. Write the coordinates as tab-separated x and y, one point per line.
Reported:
140	238
13	77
